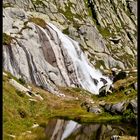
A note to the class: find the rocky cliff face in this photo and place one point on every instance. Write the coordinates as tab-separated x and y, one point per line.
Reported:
106	30
37	51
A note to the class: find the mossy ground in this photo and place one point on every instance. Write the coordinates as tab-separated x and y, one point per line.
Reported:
19	114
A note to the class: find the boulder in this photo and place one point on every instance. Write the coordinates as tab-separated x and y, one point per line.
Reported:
94	109
118	108
104	90
133	106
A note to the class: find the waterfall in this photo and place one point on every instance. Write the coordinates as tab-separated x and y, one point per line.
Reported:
88	77
49	58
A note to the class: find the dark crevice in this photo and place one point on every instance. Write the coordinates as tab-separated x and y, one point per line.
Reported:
94	14
31	69
13	61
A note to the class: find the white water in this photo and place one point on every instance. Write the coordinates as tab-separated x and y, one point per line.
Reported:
84	71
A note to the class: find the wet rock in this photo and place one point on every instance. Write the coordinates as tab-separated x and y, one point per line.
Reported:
95	81
105	90
103	80
119	76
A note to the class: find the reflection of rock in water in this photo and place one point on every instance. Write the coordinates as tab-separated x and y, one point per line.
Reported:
60	129
69	130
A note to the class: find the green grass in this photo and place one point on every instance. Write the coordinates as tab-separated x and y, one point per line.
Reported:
20	80
19	113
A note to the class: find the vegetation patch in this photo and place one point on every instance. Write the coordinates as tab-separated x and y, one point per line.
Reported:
128	116
38	21
22	81
37	2
66	31
10	76
5	5
7	39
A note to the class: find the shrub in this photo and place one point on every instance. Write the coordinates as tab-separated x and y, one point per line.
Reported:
7	39
128	116
38	21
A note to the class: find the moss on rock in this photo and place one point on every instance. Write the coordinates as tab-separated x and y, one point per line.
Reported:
7	39
38	21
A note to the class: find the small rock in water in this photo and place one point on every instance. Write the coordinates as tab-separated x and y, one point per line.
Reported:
95	81
103	80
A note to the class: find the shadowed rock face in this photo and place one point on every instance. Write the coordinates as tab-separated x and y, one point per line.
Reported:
45	56
57	129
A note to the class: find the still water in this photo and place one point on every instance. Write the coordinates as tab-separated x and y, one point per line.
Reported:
58	129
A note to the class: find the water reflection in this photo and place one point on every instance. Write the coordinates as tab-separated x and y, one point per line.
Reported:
58	129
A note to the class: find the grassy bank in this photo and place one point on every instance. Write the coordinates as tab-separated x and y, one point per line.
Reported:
19	113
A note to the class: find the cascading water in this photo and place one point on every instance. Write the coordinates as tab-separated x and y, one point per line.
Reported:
88	77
